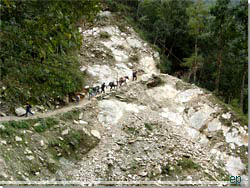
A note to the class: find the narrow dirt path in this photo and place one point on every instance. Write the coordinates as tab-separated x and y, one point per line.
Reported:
82	103
71	106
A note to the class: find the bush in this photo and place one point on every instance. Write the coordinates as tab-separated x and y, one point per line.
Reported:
187	164
104	35
36	48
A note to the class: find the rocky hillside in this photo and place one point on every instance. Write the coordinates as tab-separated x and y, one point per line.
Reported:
155	128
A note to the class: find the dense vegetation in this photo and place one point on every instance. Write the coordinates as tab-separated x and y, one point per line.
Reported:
202	41
39	41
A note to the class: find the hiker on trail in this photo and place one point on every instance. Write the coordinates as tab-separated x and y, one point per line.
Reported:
90	92
103	88
28	107
123	80
112	85
97	89
78	98
134	75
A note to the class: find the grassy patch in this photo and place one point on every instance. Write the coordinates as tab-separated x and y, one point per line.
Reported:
72	145
187	164
238	114
123	27
11	127
148	126
104	35
71	115
45	124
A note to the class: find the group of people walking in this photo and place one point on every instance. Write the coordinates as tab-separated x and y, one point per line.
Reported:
93	91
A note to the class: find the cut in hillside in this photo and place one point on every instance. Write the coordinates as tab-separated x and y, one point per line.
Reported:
154	128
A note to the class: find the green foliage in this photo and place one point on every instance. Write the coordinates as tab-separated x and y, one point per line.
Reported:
37	40
187	164
11	127
104	35
149	126
45	124
71	115
193	61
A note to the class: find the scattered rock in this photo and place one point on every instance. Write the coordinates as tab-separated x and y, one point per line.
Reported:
30	157
37	124
41	143
3	142
2	114
66	131
226	116
20	111
2	127
18	139
83	122
143	173
76	122
154	81
80	116
96	134
104	14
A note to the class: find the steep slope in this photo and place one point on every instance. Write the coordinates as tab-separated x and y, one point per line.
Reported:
155	128
157	132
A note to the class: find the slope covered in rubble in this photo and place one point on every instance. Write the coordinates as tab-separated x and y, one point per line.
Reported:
155	128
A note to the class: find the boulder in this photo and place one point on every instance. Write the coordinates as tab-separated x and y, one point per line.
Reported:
154	81
80	116
83	122
20	111
2	127
96	134
104	14
18	139
2	114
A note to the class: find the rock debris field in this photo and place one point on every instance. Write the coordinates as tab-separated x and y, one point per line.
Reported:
157	128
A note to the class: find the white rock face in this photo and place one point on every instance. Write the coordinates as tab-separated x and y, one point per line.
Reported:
134	43
20	111
96	134
172	116
198	119
214	125
234	166
226	116
187	95
234	137
113	110
148	65
192	134
162	93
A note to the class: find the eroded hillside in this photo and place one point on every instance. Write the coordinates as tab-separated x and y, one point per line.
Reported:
155	128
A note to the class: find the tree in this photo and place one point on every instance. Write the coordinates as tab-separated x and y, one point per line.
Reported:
220	25
242	19
197	14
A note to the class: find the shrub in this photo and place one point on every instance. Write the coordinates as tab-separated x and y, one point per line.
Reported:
104	35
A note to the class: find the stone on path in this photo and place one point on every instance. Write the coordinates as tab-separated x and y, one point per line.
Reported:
20	111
